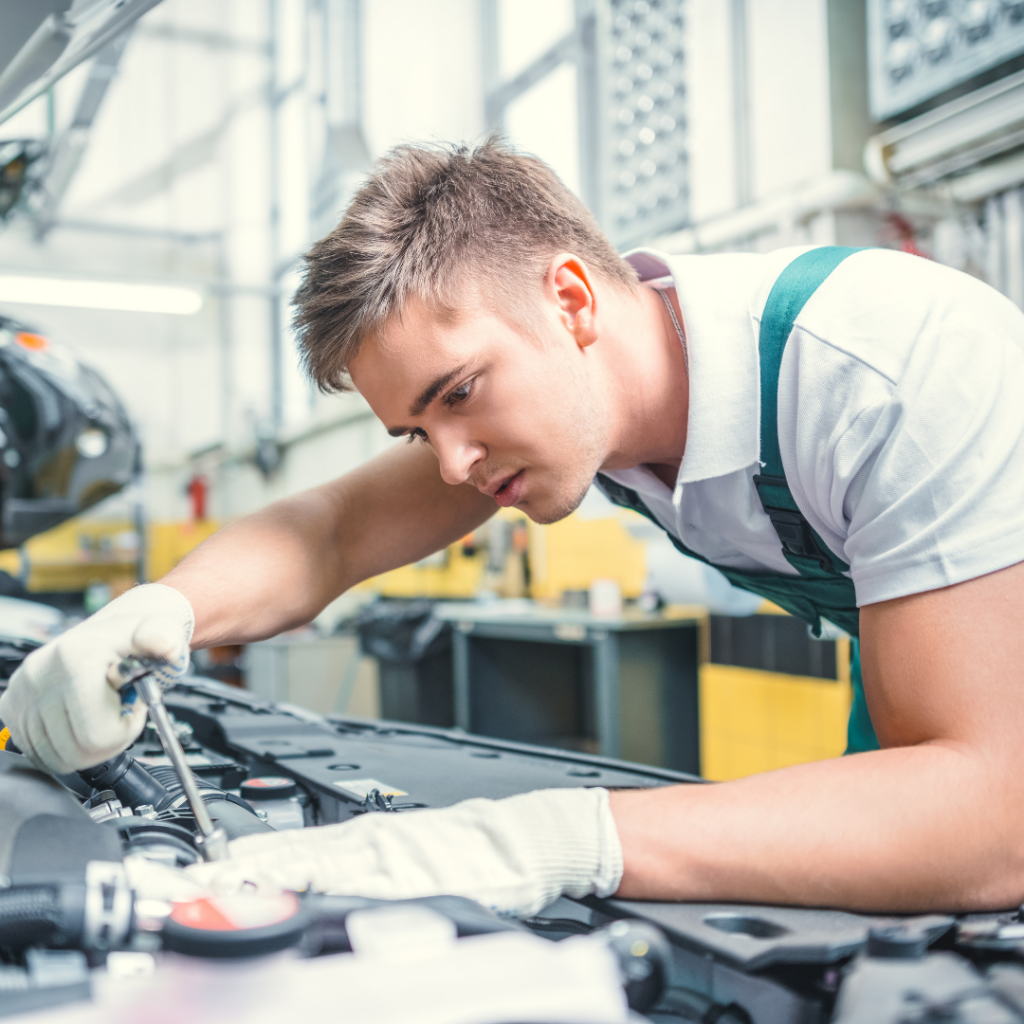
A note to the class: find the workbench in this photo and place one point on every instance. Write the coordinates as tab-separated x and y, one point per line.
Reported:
624	686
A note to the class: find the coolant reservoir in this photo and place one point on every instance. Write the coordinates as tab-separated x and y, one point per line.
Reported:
275	799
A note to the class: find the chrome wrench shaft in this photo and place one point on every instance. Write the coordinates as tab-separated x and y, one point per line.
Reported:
213	841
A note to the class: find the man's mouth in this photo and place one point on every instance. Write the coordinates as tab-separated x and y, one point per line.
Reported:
508	490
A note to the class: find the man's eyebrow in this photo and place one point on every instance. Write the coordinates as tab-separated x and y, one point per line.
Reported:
433	389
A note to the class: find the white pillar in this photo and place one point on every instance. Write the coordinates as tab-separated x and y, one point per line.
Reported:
994	242
1013	233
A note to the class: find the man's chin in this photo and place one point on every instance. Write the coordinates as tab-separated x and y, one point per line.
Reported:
553	510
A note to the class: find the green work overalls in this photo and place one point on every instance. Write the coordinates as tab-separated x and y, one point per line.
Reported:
821	591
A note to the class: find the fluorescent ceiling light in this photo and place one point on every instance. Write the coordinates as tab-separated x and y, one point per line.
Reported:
121	295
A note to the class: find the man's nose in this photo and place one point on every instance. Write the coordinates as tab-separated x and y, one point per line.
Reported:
457	457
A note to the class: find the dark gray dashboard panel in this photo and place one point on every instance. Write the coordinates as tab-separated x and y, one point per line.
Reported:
754	936
434	767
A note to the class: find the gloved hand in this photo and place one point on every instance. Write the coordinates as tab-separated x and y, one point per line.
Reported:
62	706
514	855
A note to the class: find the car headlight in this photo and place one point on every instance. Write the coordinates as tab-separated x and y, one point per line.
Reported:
92	442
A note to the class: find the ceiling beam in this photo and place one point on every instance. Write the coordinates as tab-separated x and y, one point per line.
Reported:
67	151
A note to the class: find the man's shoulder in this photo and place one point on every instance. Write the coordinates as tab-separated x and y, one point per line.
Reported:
883	308
722	294
750	273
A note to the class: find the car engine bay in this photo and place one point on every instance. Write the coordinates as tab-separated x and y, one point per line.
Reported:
68	913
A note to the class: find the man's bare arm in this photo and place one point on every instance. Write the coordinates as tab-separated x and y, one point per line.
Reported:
932	821
279	567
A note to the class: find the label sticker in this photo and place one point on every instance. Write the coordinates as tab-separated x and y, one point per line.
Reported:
163	761
362	788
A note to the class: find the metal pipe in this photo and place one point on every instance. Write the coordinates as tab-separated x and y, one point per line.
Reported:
741	102
834	191
1013	236
994	261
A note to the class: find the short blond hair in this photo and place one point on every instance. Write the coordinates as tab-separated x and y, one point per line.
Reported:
429	219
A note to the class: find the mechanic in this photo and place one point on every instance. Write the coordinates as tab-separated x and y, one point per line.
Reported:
869	400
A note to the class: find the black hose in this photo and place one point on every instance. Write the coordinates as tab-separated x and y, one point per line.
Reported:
132	784
231	812
41	915
159	786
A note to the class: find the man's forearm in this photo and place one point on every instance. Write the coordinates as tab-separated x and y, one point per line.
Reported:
930	827
269	572
279	567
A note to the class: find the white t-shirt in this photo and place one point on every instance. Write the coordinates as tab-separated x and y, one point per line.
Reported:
901	419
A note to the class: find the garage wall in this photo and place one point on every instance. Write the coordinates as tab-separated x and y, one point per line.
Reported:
175	160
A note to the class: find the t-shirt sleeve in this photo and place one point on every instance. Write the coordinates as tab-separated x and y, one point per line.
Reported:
903	399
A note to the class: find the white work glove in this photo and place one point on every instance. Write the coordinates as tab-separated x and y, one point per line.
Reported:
514	855
62	706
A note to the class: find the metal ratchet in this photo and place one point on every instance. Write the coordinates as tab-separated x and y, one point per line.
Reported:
137	673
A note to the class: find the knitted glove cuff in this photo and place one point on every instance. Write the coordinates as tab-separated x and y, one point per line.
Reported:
566	839
152	599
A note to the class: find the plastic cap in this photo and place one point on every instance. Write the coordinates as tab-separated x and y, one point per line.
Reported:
268	787
241	925
896	943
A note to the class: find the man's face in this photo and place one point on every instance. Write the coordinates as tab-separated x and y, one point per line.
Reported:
513	414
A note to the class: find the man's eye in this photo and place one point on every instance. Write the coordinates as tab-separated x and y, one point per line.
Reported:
459	394
416	432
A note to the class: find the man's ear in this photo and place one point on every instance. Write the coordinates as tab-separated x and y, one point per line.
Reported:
569	285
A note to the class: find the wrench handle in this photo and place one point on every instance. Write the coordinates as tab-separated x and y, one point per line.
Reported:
214	840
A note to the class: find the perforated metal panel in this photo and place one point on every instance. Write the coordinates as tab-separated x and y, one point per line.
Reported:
919	48
642	135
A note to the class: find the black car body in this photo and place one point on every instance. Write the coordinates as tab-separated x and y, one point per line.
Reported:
66	442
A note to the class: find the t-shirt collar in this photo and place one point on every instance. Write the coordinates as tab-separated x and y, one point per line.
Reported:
723	428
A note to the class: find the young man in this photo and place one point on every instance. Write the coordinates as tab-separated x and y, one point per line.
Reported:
842	431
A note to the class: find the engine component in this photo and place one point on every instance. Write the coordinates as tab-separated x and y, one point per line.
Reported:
49	978
228	811
132	784
41	915
153	817
275	798
165	841
905	990
242	925
13	651
146	790
645	959
106	807
95	915
46	836
268	787
329	913
742	964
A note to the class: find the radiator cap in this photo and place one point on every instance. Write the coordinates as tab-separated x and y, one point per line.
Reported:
268	787
239	925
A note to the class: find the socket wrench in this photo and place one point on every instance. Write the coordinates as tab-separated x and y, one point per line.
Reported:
137	675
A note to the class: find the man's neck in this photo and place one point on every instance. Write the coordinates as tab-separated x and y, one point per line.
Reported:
648	385
666	472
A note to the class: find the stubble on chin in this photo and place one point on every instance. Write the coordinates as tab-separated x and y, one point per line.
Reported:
584	447
561	506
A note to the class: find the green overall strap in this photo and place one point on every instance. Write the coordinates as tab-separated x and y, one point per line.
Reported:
822	589
801	545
